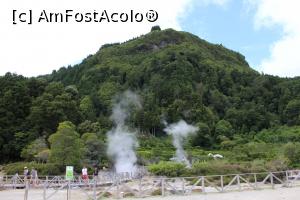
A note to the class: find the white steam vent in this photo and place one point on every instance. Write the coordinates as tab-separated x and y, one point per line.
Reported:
122	141
180	131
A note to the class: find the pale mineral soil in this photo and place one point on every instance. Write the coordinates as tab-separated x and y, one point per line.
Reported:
266	194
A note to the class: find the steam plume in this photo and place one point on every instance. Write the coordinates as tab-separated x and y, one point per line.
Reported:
122	141
179	132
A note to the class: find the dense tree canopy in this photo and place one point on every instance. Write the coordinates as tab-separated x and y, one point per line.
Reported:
177	75
66	146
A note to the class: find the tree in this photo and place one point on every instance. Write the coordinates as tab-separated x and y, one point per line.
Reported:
203	137
89	127
42	156
292	112
15	102
224	128
87	108
155	28
105	95
94	149
66	146
33	149
53	106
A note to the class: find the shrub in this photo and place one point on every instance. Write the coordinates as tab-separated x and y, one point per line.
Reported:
43	169
282	134
257	166
292	153
170	169
216	167
145	154
33	149
280	164
254	150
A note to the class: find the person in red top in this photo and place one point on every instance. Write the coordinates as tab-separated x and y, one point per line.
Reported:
84	172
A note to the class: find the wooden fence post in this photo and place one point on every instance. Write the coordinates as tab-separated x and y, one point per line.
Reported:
69	190
203	184
94	189
255	181
44	192
287	178
238	182
163	187
272	180
222	183
183	186
26	190
118	189
140	187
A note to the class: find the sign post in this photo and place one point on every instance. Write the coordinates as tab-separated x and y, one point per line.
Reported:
69	173
69	178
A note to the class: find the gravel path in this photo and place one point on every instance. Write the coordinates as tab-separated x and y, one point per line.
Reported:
267	194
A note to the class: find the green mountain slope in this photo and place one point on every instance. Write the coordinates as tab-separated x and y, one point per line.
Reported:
159	52
177	75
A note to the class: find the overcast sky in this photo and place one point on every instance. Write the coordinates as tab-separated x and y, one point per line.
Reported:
267	32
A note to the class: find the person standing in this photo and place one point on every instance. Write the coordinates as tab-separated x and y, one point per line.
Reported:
26	173
34	177
84	172
96	171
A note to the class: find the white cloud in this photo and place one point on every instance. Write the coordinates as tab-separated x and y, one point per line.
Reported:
39	48
284	57
219	2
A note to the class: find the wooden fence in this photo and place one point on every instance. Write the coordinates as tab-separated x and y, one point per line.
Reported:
125	185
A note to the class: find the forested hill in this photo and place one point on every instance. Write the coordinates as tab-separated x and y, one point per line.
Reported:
134	62
177	75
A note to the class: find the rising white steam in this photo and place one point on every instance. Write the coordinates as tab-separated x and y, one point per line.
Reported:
179	132
122	141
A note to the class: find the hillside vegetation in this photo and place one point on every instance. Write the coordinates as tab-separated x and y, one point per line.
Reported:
239	111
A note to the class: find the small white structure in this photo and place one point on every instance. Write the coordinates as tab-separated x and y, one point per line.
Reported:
215	156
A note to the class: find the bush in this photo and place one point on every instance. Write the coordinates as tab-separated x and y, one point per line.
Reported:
170	169
254	150
280	164
43	169
282	134
145	154
197	154
292	153
216	167
30	152
257	166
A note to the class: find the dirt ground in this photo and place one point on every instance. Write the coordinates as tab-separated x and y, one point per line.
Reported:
267	194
